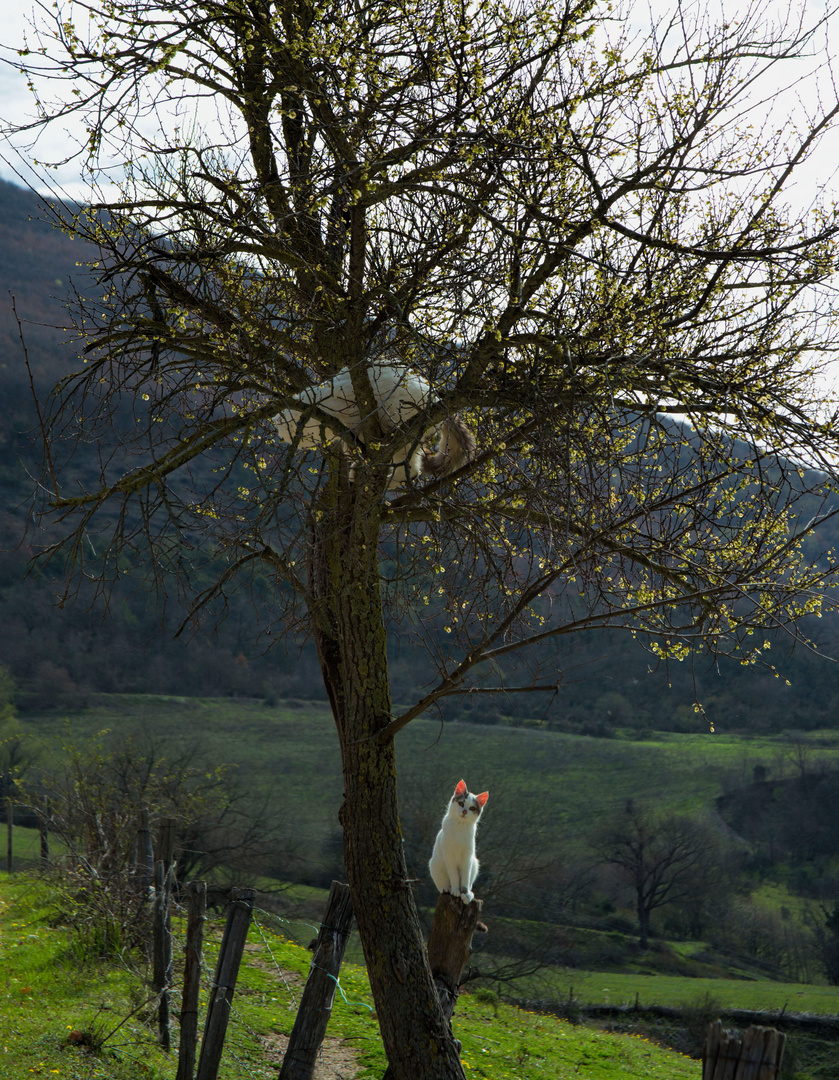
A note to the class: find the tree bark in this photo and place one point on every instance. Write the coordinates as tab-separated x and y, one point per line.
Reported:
643	924
346	611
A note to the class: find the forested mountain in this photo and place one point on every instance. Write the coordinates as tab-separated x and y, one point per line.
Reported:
61	655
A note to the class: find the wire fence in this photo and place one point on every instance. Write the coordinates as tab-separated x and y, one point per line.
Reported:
270	1021
270	990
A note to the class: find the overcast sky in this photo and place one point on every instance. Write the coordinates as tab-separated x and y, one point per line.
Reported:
16	100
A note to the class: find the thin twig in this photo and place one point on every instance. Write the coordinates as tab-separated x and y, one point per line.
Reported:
37	403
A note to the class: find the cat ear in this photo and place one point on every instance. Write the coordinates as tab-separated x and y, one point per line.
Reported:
482	798
460	789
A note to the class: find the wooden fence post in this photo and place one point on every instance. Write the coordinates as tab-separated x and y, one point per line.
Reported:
755	1056
10	824
196	910
145	852
43	830
164	880
315	1006
224	982
162	947
166	839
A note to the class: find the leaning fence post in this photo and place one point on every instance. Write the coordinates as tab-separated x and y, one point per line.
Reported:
315	1006
196	893
755	1056
43	830
224	982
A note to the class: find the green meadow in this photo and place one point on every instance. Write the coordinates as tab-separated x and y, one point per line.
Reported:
73	1020
566	783
755	995
559	783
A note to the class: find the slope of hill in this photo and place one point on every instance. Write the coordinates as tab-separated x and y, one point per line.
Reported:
93	1018
60	656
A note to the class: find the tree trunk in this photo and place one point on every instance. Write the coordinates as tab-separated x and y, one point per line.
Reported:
643	924
346	612
449	949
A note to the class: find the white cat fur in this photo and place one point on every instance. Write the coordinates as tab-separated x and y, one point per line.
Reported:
454	865
400	394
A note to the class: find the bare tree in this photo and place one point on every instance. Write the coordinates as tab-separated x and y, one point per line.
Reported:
578	240
663	859
93	800
824	927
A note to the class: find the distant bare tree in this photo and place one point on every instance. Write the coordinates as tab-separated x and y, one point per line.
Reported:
824	927
17	753
661	858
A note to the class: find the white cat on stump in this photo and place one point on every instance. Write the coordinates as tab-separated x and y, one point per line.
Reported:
454	865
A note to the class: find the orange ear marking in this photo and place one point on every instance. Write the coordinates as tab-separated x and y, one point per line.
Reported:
482	798
460	789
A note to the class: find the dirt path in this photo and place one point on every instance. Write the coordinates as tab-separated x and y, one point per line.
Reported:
336	1060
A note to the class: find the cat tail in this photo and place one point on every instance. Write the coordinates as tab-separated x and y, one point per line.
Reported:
456	447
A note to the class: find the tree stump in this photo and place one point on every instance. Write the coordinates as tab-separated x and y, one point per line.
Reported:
449	949
754	1056
450	945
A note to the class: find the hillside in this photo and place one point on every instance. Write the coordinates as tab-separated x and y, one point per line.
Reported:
62	655
95	1019
549	792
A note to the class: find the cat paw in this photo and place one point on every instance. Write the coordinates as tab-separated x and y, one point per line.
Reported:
467	897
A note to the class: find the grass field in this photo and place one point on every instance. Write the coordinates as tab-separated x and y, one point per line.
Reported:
564	783
93	1021
617	988
526	769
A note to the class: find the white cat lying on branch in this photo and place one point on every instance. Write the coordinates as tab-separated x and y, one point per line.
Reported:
400	394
